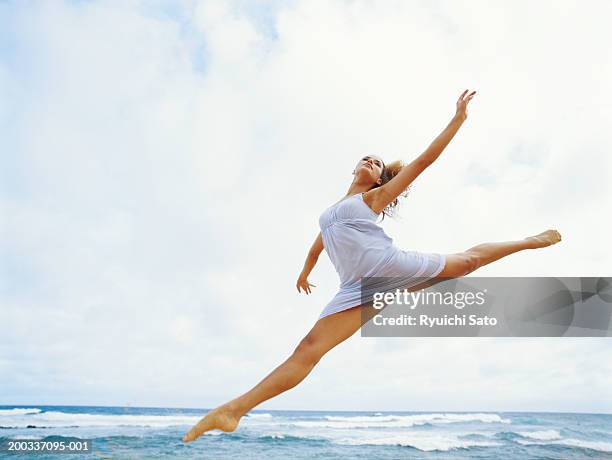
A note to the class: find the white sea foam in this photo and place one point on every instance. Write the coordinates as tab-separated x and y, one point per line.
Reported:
600	446
595	445
544	435
19	411
64	419
249	415
418	441
22	418
397	421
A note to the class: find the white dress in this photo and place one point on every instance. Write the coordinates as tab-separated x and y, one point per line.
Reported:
358	247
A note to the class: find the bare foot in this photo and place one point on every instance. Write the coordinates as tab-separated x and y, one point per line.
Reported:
547	238
222	418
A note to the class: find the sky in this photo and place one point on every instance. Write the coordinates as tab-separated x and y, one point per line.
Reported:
163	165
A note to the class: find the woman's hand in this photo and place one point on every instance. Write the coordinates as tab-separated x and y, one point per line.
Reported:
462	104
302	283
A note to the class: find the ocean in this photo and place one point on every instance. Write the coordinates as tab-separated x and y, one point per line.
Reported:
155	433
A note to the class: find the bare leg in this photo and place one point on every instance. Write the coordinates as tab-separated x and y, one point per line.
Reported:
466	262
334	329
326	334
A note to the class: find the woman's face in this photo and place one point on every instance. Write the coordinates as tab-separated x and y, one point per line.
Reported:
369	169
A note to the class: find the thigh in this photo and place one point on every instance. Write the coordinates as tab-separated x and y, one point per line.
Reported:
334	329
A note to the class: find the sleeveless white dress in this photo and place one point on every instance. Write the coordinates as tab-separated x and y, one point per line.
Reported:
358	247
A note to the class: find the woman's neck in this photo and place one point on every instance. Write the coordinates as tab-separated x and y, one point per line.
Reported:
357	187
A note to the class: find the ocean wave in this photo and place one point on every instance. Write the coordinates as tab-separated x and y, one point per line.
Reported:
420	442
544	435
19	411
397	421
54	419
35	418
26	437
599	446
266	416
276	436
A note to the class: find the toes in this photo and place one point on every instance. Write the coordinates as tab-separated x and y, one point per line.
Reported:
191	435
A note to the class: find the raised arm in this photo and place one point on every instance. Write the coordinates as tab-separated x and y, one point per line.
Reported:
385	194
311	261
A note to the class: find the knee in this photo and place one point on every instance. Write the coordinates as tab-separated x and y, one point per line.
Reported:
471	262
308	351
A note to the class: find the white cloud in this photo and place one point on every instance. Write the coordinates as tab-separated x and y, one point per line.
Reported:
165	174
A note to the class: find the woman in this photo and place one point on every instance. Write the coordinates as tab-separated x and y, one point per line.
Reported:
360	248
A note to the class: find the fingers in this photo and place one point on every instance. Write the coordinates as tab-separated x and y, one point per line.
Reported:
304	286
469	97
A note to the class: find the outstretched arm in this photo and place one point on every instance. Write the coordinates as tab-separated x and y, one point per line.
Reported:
311	261
388	192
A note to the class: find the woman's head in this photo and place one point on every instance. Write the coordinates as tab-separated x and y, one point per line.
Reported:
372	171
369	170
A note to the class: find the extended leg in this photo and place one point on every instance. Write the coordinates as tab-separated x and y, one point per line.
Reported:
466	262
326	334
